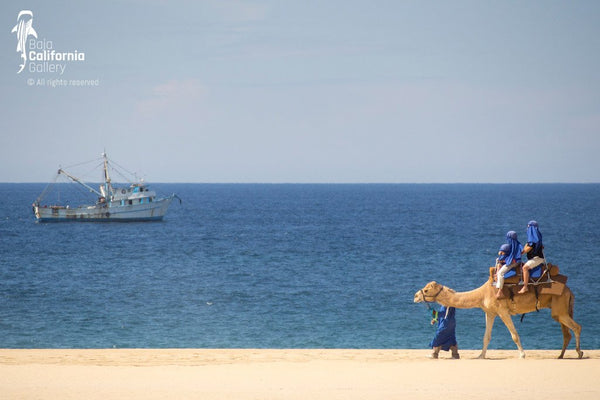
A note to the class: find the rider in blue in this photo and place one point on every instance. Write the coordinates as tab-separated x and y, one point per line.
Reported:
502	254
513	259
445	338
535	252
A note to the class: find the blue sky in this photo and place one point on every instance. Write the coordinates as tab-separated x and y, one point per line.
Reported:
311	91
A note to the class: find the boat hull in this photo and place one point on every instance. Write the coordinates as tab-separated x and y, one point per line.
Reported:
154	211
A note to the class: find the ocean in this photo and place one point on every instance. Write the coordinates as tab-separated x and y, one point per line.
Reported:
287	266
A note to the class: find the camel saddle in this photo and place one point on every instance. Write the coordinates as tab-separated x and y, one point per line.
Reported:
546	281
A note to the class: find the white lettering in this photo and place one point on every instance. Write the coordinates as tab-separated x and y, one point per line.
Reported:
47	67
44	52
41	44
54	56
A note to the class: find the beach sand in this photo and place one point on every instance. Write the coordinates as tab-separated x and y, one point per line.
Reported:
294	374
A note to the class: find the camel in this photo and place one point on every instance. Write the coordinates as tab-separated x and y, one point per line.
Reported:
484	297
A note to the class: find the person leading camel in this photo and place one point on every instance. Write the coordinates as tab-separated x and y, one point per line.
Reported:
535	252
513	259
445	337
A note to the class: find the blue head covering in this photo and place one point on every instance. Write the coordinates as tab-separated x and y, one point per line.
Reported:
534	236
515	248
505	248
533	232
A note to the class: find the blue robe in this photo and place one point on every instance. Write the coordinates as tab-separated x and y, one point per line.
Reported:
516	248
444	334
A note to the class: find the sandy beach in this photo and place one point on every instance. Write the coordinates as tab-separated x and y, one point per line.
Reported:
294	374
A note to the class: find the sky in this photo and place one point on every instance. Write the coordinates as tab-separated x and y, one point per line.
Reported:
329	91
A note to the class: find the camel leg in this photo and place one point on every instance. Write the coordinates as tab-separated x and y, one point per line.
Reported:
566	339
563	313
513	332
489	324
566	324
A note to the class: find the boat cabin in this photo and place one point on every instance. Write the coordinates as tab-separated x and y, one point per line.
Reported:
137	193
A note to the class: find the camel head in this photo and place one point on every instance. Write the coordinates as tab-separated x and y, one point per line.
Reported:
428	293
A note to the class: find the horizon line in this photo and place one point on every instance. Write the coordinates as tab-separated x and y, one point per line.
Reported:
331	183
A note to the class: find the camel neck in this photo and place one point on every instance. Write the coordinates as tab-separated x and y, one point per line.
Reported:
470	299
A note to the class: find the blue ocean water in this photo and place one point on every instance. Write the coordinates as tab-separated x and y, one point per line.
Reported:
287	266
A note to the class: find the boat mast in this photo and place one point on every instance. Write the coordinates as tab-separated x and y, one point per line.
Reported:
108	190
91	189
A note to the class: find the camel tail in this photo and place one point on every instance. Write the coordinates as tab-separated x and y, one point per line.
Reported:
572	305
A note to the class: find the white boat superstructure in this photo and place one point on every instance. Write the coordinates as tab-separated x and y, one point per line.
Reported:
133	203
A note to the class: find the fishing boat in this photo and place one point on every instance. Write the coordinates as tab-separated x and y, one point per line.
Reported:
132	203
